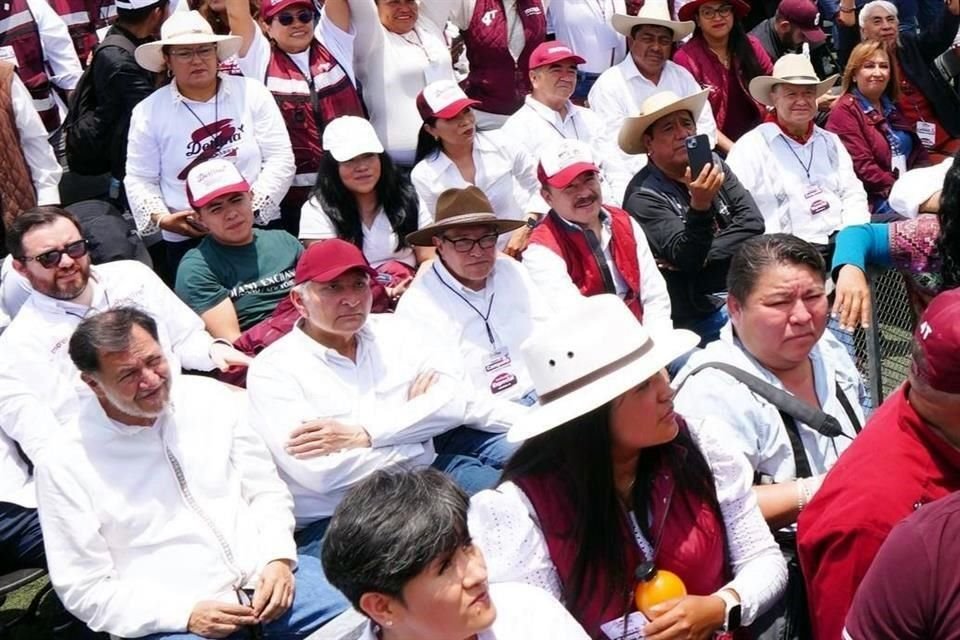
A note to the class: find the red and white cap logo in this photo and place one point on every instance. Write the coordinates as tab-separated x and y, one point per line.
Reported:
563	161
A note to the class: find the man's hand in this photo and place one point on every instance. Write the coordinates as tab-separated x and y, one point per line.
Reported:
705	188
325	436
931	204
212	619
397	290
687	618
182	222
225	356
422	383
274	593
518	241
851	304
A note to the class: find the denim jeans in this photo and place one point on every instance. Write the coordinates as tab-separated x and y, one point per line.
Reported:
315	603
21	542
585	82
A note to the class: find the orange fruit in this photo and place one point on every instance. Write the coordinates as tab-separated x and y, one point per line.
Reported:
656	586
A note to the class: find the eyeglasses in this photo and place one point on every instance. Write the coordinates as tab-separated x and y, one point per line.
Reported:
723	11
51	259
205	51
304	17
466	245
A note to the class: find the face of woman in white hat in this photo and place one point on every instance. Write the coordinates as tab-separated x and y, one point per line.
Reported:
643	416
194	68
796	106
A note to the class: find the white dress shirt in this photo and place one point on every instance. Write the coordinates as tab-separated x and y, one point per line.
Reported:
524	612
787	179
504	525
754	426
514	308
168	133
584	25
45	171
39	385
618	94
549	272
297	379
142	523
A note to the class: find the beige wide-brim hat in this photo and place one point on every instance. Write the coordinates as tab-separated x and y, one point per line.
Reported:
653	108
185	28
587	357
656	13
461	208
793	68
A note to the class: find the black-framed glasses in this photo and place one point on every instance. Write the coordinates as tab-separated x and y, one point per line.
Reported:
723	11
466	245
304	16
51	259
204	52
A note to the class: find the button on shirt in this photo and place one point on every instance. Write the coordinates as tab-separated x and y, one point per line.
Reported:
618	94
438	303
297	379
585	26
790	181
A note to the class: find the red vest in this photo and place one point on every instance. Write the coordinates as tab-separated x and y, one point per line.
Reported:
307	112
83	18
570	243
22	38
495	79
693	545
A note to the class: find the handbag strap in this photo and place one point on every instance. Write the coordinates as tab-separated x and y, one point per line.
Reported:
848	409
800	459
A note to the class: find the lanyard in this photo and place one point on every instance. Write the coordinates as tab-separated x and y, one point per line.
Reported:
418	43
216	116
485	318
805	167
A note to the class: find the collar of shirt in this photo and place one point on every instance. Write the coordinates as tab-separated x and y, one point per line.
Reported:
332	357
484	151
936	444
551	115
772	130
886	104
804	139
176	97
100	301
631	73
606	227
447	278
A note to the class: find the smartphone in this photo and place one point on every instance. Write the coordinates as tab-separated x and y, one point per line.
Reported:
699	154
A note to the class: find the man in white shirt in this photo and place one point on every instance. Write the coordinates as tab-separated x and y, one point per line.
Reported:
584	247
345	393
619	91
161	509
483	304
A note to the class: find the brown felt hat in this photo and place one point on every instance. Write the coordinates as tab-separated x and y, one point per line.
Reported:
461	208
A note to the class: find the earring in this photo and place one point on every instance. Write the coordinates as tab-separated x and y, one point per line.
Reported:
389	623
169	72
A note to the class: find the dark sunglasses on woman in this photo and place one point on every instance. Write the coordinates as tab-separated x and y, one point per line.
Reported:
51	259
304	16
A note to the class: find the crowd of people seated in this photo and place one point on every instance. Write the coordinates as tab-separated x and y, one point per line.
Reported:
486	319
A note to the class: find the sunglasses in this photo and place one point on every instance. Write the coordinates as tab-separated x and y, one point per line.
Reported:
304	16
51	259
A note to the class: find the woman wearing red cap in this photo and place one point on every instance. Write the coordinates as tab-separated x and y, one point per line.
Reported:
309	73
723	58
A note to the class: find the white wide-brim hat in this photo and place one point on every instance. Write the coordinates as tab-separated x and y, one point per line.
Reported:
184	28
793	68
653	108
589	356
656	13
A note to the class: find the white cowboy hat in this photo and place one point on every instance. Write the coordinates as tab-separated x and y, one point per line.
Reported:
656	13
589	356
652	109
184	28
793	68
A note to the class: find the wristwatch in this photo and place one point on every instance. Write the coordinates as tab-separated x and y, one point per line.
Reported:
532	222
732	615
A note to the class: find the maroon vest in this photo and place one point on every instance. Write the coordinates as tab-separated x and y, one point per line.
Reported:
308	107
83	18
692	546
24	39
570	243
495	79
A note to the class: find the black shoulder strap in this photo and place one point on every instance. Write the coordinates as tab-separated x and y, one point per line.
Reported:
848	409
117	40
800	460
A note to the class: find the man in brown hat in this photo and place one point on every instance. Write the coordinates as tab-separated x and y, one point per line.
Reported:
484	304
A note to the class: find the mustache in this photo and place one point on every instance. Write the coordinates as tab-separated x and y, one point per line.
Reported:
586	201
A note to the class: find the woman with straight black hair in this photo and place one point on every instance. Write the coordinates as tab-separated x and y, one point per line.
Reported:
724	58
612	491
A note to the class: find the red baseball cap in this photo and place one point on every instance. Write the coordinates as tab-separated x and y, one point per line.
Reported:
270	8
442	99
211	179
804	15
328	260
550	52
936	353
563	161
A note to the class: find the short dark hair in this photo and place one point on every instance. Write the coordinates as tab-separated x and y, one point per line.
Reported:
139	16
390	527
760	252
36	217
108	331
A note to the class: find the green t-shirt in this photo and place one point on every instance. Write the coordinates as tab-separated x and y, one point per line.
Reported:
256	277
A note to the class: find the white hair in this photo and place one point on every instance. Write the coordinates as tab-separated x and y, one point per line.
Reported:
873	6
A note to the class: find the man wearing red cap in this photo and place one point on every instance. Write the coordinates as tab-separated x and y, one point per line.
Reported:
345	393
907	456
796	23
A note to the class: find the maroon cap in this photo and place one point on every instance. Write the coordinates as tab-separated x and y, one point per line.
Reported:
551	52
804	15
270	8
328	260
936	356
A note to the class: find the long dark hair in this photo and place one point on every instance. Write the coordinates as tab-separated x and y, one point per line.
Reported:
579	453
741	52
394	192
948	240
427	145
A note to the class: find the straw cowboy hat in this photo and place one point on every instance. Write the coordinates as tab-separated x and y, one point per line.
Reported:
461	208
652	109
793	68
653	12
184	28
588	357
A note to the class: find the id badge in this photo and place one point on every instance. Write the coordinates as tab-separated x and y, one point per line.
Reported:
498	368
815	200
636	622
899	164
927	132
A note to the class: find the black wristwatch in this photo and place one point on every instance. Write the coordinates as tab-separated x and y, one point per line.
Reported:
532	222
732	615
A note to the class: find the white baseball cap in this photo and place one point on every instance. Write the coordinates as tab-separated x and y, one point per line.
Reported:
443	99
563	161
212	179
347	137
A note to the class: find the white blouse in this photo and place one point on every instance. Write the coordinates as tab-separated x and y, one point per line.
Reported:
503	523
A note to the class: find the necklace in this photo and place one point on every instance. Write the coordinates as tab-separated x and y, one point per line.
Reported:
216	112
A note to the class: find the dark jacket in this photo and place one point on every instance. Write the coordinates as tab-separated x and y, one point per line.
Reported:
120	83
820	56
693	248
